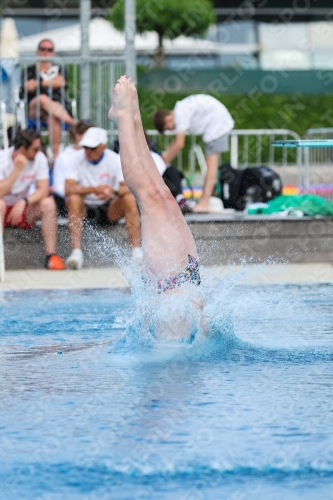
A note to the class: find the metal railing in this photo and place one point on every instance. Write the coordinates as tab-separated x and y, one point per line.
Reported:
247	147
3	126
317	168
254	147
103	72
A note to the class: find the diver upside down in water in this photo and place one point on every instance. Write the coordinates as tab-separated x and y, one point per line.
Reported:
169	249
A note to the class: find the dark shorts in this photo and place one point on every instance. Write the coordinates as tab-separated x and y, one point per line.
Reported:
99	214
95	214
61	205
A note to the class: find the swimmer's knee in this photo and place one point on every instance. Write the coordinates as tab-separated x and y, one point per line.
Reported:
154	194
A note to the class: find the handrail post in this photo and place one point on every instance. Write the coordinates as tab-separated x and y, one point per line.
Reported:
85	13
4	125
2	255
234	150
130	31
306	166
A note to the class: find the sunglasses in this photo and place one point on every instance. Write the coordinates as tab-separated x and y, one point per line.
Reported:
92	149
46	49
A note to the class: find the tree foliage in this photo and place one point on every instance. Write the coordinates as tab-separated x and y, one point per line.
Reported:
168	18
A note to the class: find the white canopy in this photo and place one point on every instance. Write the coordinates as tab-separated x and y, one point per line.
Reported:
106	40
8	39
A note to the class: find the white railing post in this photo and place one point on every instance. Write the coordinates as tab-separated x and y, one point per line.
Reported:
4	124
317	164
197	151
234	150
2	255
130	31
85	15
306	168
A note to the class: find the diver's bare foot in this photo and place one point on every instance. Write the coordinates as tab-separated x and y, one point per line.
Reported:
122	100
135	99
201	207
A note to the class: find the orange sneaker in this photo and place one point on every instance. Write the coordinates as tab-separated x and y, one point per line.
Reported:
55	263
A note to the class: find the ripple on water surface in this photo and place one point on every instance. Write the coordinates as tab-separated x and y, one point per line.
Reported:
87	412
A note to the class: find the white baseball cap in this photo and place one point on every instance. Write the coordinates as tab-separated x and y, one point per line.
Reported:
94	137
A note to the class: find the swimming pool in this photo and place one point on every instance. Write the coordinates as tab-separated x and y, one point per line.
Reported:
247	414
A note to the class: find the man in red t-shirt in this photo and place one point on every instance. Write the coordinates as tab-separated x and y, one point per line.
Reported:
20	167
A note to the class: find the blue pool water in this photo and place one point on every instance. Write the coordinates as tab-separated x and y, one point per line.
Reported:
86	412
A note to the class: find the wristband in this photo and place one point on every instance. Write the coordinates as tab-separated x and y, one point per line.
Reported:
26	200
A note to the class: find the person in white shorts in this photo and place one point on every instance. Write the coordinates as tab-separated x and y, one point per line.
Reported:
198	115
95	183
63	161
22	166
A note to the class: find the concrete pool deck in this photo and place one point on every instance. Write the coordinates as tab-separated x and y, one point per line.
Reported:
35	279
221	240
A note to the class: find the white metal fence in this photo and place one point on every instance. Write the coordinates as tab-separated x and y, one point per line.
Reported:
247	147
254	147
317	166
103	72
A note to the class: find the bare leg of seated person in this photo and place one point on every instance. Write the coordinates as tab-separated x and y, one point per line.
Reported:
54	128
125	206
44	210
53	113
76	213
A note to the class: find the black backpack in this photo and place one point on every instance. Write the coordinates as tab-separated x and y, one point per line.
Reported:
236	188
260	184
229	186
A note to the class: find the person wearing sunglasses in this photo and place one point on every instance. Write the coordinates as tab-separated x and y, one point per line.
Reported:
95	189
63	161
44	84
22	166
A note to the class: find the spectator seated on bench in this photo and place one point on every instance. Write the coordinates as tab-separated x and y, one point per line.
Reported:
95	186
170	174
34	125
21	166
62	164
45	86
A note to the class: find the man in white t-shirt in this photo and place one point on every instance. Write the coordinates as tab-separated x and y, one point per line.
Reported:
198	115
20	167
95	184
62	163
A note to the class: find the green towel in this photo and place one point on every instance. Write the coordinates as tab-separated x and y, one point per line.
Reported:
307	203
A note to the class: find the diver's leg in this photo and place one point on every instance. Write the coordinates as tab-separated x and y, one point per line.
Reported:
165	254
182	226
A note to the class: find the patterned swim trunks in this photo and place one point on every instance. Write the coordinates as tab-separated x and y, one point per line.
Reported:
190	275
